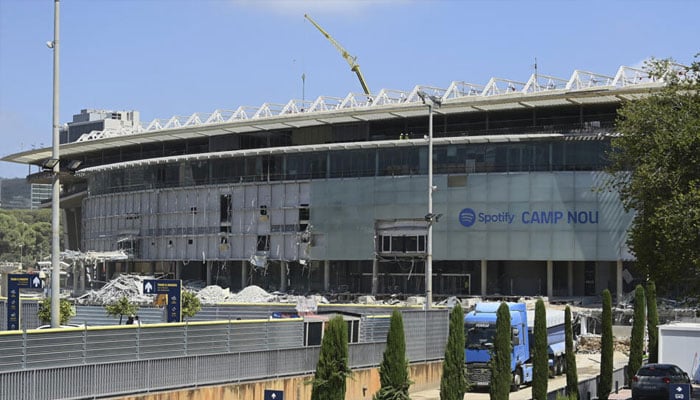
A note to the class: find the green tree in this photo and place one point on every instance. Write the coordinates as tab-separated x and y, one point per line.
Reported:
65	311
606	349
652	322
655	162
637	336
25	235
453	383
120	308
190	304
393	371
540	356
571	372
501	378
332	367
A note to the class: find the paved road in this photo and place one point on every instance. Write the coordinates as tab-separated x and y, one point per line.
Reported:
588	365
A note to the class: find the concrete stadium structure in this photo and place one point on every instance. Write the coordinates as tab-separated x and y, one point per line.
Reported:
332	194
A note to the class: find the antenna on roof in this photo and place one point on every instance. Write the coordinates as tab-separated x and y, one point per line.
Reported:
535	66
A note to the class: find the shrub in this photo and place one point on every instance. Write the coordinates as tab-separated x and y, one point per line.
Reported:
393	371
540	359
453	383
332	367
606	349
501	378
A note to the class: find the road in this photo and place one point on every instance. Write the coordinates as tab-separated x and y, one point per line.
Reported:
588	366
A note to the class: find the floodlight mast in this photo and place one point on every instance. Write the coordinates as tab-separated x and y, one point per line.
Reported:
352	60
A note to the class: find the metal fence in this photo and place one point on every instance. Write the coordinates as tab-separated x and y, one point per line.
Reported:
588	388
28	314
72	364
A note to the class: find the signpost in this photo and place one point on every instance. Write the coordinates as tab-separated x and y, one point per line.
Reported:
173	289
15	282
679	391
273	394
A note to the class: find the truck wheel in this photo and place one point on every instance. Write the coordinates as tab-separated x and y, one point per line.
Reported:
516	381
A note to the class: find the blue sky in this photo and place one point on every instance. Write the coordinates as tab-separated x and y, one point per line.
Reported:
177	57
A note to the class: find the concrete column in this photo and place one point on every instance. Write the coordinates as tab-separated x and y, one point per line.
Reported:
76	274
484	263
109	271
244	274
570	277
326	275
375	276
550	278
81	284
208	266
618	279
153	268
283	276
178	269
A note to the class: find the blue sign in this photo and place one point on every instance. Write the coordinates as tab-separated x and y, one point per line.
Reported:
679	391
15	282
273	395
173	289
467	217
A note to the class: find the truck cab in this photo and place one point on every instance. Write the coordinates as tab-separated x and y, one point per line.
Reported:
480	330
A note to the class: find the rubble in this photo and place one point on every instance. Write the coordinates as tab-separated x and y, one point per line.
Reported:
590	344
214	294
130	286
251	294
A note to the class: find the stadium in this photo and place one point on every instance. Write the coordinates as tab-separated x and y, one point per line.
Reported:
332	195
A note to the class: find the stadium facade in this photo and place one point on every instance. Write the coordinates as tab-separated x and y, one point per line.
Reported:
332	194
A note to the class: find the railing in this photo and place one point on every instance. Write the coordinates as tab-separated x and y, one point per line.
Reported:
74	363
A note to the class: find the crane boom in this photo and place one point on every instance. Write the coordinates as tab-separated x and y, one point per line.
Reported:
352	61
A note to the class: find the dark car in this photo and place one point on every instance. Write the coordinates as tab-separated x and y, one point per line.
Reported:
652	381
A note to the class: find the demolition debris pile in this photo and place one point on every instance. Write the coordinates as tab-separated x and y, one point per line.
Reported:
130	286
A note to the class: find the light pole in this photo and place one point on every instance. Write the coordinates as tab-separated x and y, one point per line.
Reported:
55	244
430	101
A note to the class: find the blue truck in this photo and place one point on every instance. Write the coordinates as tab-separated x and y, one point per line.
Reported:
480	330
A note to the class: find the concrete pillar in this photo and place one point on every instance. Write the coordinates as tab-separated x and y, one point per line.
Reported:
484	263
178	269
550	278
283	276
208	266
81	282
570	277
618	279
109	271
153	268
76	275
326	275
244	274
375	276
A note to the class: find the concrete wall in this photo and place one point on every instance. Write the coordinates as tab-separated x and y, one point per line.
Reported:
362	385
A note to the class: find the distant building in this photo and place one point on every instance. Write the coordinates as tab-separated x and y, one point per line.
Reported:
39	193
99	121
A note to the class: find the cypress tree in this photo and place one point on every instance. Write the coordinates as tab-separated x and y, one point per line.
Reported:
652	322
637	337
393	371
571	372
606	349
332	367
453	383
501	378
540	363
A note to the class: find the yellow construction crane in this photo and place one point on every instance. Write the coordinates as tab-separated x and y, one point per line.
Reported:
354	66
